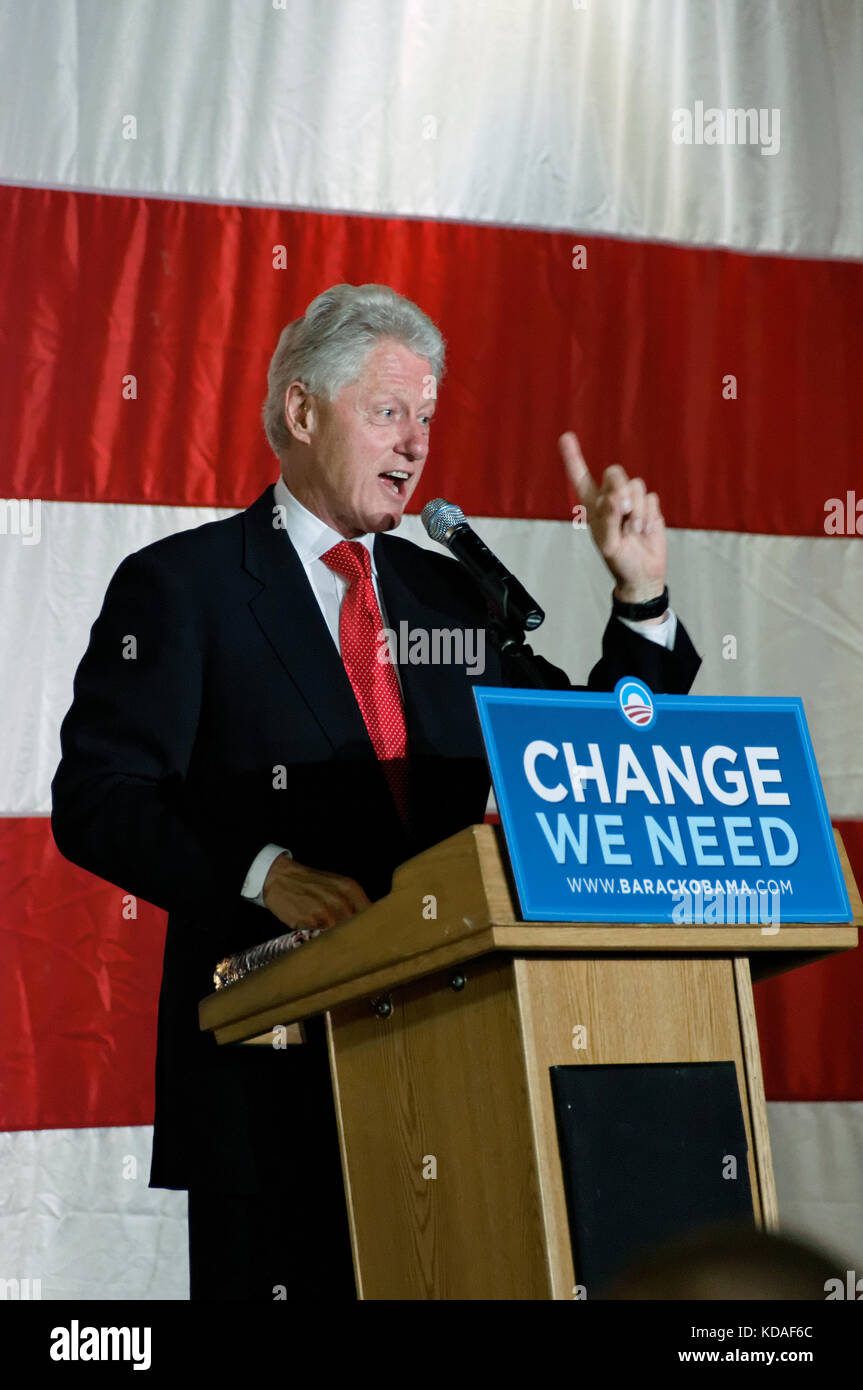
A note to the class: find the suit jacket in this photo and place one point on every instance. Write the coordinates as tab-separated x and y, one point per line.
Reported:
209	668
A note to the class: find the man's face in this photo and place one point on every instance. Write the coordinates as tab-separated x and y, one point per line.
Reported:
375	427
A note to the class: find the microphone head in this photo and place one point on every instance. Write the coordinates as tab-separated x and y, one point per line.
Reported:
440	519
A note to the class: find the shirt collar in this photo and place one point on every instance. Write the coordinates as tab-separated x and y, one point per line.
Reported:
311	537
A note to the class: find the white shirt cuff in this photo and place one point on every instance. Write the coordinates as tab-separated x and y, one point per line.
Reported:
253	887
664	633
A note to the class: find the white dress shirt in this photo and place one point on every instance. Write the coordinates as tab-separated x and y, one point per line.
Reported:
312	538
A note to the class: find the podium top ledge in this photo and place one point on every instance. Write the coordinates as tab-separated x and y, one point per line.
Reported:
453	903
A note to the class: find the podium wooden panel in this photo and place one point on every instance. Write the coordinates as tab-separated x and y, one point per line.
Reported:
447	1128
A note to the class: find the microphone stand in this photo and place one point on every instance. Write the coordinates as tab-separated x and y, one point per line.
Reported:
508	637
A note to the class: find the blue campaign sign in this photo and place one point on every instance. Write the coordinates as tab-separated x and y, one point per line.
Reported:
635	807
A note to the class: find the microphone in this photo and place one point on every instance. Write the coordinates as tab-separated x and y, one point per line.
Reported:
506	597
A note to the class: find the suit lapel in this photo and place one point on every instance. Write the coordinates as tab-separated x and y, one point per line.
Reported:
289	616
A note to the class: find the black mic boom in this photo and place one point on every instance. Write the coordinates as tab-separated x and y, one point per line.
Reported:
507	598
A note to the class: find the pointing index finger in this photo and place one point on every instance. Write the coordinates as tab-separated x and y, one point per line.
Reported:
577	470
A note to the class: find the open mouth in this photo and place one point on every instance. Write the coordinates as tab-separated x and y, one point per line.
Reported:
395	481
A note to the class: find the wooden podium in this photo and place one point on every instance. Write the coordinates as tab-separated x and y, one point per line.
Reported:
444	1015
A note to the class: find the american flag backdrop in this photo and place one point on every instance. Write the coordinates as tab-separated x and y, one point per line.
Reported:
179	179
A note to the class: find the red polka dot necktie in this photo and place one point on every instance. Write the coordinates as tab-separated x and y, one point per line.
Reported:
374	681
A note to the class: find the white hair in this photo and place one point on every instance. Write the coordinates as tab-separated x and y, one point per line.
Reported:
326	348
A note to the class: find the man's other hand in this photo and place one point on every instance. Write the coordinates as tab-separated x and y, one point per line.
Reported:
303	897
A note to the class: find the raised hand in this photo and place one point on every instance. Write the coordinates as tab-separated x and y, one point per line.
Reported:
625	521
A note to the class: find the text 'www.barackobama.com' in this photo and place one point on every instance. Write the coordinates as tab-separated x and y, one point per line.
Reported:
680	887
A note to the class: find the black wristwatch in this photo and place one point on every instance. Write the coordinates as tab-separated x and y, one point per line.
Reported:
637	612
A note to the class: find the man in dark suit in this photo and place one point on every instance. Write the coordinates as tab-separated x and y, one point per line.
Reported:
238	754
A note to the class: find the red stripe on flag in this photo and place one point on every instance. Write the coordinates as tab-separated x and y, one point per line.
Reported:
809	1018
632	351
78	991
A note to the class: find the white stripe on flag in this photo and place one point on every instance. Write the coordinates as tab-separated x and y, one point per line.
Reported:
791	604
73	1221
76	1214
548	114
818	1163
